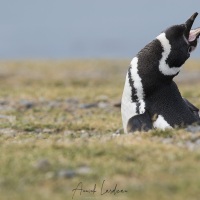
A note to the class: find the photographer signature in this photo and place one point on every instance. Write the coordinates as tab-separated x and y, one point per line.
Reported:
102	191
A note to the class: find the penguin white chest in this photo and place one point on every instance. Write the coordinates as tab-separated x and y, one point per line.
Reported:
133	94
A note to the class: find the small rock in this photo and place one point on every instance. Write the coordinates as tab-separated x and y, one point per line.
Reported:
72	101
42	164
4	102
87	106
65	173
193	129
102	105
194	137
167	140
67	133
190	145
4	116
53	104
197	142
9	118
38	130
84	134
84	170
47	130
5	105
26	103
8	131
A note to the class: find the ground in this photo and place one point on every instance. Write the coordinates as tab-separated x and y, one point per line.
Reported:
60	125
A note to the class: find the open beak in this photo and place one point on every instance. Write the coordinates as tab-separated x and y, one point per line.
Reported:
193	34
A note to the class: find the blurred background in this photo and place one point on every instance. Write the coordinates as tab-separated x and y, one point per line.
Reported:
64	29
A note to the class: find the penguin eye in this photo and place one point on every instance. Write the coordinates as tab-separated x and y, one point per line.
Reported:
189	49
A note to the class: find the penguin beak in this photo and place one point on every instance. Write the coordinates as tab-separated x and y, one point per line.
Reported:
194	34
191	35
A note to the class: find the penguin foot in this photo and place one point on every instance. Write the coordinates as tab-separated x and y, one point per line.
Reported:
140	122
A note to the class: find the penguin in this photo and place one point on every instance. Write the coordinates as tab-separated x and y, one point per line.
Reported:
151	99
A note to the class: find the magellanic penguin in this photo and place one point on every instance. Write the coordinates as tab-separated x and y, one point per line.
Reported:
151	98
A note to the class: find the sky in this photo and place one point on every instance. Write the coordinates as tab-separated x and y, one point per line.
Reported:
73	29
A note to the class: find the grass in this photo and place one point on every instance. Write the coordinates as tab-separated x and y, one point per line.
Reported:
57	117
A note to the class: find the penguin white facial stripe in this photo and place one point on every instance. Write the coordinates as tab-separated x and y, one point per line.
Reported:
161	123
137	84
163	66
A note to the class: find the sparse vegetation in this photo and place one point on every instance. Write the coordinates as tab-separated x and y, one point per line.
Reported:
59	126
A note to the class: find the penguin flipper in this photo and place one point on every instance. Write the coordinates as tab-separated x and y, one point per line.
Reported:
193	108
140	122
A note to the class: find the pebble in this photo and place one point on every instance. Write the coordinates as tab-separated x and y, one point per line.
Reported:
167	140
47	130
72	101
4	102
88	105
5	105
42	164
26	103
68	133
8	131
38	130
197	142
193	129
84	170
84	134
103	105
4	116
190	145
53	104
66	173
8	117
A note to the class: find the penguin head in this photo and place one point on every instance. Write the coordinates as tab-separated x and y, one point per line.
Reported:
183	40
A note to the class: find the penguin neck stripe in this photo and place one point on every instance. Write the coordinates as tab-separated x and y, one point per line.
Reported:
163	66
